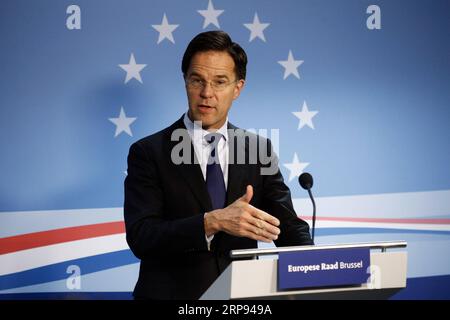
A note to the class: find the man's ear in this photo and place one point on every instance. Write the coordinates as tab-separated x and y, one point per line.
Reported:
238	88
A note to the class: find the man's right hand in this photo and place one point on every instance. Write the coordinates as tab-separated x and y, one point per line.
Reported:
243	220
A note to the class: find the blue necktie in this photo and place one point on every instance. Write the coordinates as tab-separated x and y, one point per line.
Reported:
214	176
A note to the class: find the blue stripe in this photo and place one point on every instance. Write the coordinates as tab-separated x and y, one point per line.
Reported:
57	271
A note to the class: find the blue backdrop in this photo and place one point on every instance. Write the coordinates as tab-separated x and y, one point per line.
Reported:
359	91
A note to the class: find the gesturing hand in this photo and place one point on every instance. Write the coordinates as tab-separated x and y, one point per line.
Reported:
241	219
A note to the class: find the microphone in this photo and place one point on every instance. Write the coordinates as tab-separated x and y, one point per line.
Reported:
306	182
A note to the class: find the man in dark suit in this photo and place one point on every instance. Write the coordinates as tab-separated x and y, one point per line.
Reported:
189	202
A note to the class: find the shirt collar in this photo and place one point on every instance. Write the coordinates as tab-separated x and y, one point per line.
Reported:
198	134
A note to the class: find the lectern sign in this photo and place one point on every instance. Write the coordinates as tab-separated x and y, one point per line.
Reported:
323	268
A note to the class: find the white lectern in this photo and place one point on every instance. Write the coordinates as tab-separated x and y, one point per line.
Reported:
257	278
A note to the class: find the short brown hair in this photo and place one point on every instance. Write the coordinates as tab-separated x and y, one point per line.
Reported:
216	41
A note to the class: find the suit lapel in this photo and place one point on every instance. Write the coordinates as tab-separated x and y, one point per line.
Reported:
191	172
236	172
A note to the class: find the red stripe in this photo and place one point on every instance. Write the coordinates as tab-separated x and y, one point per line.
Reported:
382	220
45	238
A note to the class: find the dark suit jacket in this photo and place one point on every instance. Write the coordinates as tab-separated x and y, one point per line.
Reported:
164	209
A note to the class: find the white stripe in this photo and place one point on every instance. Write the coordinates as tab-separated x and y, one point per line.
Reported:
390	205
42	256
381	225
21	222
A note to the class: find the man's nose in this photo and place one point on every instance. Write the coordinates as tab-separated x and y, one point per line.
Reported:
207	90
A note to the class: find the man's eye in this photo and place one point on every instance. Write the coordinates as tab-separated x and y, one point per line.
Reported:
220	82
196	82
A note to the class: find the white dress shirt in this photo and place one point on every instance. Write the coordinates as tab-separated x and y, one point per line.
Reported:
203	150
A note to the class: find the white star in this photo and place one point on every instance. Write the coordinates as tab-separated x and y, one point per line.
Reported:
305	116
256	28
296	167
290	66
165	29
210	15
122	123
133	69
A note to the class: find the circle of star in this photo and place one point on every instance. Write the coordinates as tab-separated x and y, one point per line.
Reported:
122	123
305	116
211	15
295	167
256	28
165	30
290	66
133	69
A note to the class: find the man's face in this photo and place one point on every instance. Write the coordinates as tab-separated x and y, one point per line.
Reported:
208	104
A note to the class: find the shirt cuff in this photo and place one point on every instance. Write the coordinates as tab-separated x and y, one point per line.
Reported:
208	239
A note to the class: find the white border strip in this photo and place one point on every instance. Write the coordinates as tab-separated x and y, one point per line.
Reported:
43	256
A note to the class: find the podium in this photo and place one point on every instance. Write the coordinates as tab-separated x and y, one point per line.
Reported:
256	278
